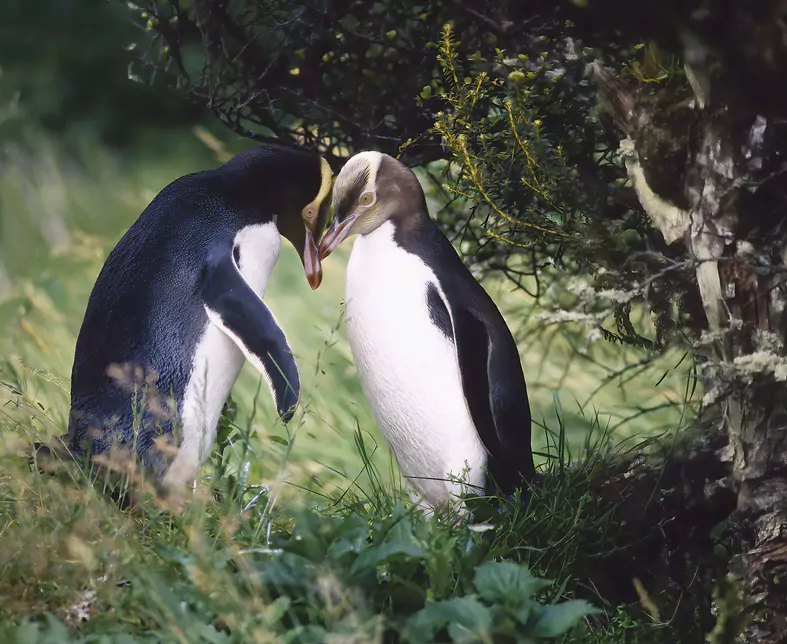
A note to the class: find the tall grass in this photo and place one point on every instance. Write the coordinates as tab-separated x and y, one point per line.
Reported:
363	565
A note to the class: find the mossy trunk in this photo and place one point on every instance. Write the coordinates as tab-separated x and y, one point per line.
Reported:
727	209
738	238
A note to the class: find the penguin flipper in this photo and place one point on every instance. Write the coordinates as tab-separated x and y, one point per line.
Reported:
234	307
494	388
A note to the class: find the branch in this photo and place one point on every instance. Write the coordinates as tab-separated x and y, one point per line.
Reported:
501	28
668	218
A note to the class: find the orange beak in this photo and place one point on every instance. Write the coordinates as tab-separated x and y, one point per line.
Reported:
311	261
335	235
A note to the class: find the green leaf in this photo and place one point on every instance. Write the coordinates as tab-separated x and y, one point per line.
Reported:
555	620
375	50
350	22
350	539
26	633
53	632
374	555
517	77
275	612
280	440
466	618
286	571
208	634
507	582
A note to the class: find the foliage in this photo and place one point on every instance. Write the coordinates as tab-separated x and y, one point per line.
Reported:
331	576
533	156
221	571
337	74
367	566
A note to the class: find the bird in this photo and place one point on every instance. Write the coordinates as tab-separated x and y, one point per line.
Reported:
178	307
436	360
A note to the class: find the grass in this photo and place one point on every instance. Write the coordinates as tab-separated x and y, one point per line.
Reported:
316	541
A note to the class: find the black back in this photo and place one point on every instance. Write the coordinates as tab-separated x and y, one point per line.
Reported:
145	313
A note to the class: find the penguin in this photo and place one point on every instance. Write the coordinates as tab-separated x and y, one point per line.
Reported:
178	307
434	355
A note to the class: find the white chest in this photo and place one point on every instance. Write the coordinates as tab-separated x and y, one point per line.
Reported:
258	247
218	361
408	368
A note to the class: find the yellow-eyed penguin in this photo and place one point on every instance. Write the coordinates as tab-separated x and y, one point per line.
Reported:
436	360
178	307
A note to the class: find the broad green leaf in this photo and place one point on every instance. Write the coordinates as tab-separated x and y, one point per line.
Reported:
554	620
310	537
26	633
466	618
53	632
375	555
276	610
286	571
208	634
507	582
354	541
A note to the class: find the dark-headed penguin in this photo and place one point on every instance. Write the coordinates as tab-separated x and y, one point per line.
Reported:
178	307
436	360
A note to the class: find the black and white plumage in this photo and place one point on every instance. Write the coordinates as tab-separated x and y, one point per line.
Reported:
436	360
178	307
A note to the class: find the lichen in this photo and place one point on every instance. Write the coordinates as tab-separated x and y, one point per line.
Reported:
768	341
745	368
561	316
588	294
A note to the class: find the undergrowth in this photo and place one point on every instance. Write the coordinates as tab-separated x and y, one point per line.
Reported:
365	565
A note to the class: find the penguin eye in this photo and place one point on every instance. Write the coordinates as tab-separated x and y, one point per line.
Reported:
310	211
366	198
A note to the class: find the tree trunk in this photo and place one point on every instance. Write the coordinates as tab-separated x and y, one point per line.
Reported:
730	217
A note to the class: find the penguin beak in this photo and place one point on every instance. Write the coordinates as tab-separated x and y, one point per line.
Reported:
337	233
311	261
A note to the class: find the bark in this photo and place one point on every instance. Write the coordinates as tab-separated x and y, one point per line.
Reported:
731	224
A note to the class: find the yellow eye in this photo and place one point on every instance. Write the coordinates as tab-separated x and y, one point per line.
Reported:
366	198
310	211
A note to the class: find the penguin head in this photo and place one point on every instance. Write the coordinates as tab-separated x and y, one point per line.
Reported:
305	227
292	186
371	189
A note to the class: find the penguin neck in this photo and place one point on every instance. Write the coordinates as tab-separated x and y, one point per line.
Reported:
405	222
414	235
383	234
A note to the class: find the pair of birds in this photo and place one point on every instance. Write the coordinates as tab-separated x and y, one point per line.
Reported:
178	307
